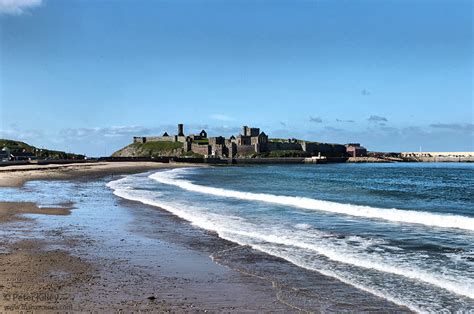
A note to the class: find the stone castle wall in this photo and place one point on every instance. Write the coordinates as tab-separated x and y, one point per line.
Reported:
201	149
231	149
219	140
271	146
153	139
312	148
139	139
248	143
243	150
324	149
219	150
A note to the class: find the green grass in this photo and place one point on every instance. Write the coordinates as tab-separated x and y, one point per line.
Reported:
154	149
159	146
204	141
282	140
284	153
321	143
277	140
17	147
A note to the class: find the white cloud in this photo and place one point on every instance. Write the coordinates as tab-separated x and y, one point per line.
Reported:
17	7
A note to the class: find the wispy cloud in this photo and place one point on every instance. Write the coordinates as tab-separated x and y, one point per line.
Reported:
333	129
19	134
393	138
102	141
224	130
17	7
365	92
345	121
469	127
377	119
108	132
221	117
315	119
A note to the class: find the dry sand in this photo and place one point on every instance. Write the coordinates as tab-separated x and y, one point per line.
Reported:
17	175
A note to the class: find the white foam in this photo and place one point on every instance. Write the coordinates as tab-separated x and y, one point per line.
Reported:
328	272
292	247
392	215
239	232
303	226
451	284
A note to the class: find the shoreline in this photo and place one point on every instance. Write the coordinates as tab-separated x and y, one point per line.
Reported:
16	176
162	260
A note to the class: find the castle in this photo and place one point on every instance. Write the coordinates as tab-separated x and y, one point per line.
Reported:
180	137
248	143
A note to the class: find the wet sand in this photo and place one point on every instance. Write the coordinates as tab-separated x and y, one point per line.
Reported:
11	210
112	254
52	270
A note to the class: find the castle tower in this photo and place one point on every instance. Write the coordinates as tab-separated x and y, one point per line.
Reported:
245	130
180	129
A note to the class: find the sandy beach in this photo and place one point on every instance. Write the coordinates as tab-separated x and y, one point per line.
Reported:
14	176
98	252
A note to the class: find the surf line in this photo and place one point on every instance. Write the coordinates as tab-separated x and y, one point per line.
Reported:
388	214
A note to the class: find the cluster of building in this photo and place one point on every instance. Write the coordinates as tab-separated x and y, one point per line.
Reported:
7	155
355	150
250	141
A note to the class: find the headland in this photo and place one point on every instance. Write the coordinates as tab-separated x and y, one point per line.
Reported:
253	146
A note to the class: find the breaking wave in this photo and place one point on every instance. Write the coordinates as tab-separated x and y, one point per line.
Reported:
170	177
235	230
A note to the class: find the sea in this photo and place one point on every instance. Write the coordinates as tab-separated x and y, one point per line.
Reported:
402	231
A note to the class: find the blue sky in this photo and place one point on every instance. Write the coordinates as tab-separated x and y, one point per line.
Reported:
86	76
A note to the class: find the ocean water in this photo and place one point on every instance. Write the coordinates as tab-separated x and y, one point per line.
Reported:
404	232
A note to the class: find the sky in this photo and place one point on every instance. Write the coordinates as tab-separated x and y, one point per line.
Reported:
86	76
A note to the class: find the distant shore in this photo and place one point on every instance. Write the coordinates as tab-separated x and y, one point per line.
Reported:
104	165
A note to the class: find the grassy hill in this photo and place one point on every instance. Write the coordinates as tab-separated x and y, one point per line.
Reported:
18	147
150	149
284	153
